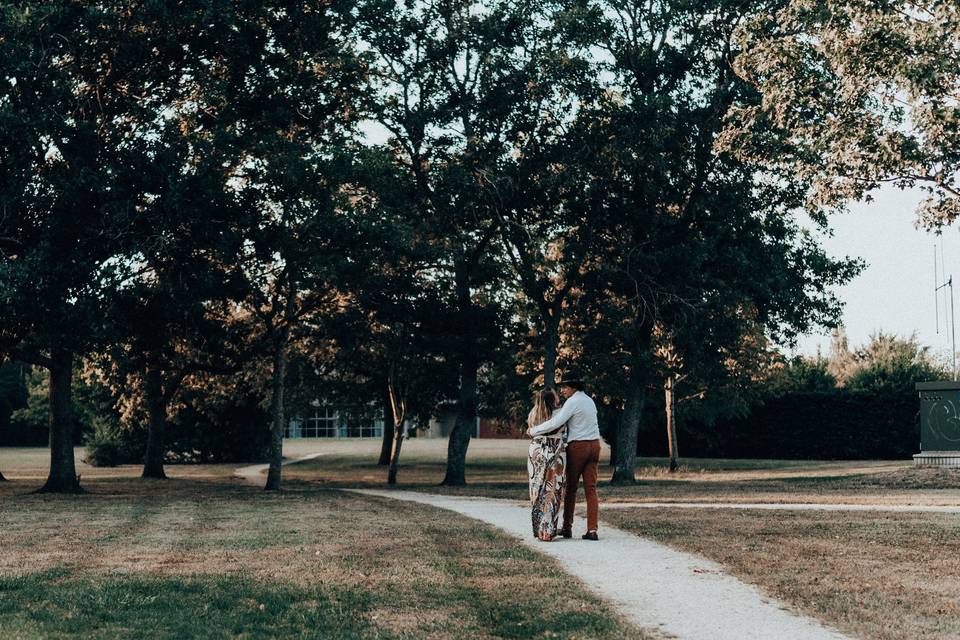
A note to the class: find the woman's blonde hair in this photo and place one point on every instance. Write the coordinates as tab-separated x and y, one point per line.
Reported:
544	404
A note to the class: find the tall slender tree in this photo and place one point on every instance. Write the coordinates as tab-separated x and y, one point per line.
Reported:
443	86
289	83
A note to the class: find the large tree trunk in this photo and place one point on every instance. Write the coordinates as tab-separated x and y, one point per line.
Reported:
400	432
157	420
670	408
466	421
464	427
629	428
550	354
277	415
613	431
63	469
387	445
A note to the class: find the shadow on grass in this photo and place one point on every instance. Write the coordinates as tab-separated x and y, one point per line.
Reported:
57	603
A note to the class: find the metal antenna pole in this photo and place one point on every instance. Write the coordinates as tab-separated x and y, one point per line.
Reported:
943	272
953	328
936	288
953	332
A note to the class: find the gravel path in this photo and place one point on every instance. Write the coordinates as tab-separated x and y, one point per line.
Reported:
680	594
254	473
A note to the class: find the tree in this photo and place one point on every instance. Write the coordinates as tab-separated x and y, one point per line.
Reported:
292	75
443	87
691	239
418	377
853	95
802	374
841	363
891	364
538	194
69	184
13	393
161	338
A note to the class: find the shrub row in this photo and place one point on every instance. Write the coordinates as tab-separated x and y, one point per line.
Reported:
831	425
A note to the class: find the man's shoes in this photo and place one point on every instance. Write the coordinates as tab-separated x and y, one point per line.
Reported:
590	535
566	533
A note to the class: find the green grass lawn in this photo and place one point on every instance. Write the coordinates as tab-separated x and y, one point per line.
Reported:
64	603
193	557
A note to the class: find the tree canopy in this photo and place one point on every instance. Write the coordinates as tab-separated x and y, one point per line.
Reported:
853	95
407	203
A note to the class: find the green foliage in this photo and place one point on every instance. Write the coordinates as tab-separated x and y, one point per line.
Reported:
109	445
885	364
854	94
92	405
695	242
804	411
831	425
29	423
219	423
894	365
13	389
801	374
209	202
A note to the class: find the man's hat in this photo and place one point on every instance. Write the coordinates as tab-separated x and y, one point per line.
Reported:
571	376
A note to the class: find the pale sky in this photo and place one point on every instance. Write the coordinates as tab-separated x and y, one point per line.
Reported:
895	291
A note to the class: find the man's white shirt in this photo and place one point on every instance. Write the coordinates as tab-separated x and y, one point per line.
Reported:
580	415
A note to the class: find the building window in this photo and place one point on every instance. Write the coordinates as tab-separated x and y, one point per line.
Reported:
322	424
330	422
359	424
294	428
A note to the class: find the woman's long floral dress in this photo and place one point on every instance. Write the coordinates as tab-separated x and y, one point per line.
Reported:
547	465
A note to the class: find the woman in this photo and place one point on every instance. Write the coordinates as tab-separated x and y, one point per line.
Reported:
547	466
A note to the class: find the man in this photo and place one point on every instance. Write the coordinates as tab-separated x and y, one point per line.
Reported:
583	450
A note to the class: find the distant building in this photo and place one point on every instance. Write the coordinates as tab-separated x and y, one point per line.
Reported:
442	424
324	420
330	421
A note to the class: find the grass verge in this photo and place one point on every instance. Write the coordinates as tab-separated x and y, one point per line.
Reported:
219	559
885	576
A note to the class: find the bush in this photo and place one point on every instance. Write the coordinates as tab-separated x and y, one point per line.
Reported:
29	423
827	425
108	445
222	432
219	429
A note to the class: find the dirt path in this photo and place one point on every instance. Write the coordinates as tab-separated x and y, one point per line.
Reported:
681	594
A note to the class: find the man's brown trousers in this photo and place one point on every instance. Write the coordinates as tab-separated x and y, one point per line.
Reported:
583	457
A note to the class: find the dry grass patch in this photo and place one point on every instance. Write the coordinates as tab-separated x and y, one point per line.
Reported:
370	567
711	480
886	576
883	484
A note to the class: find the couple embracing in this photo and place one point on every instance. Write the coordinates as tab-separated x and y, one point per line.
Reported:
565	447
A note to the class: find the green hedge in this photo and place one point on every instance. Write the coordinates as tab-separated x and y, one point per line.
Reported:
846	425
